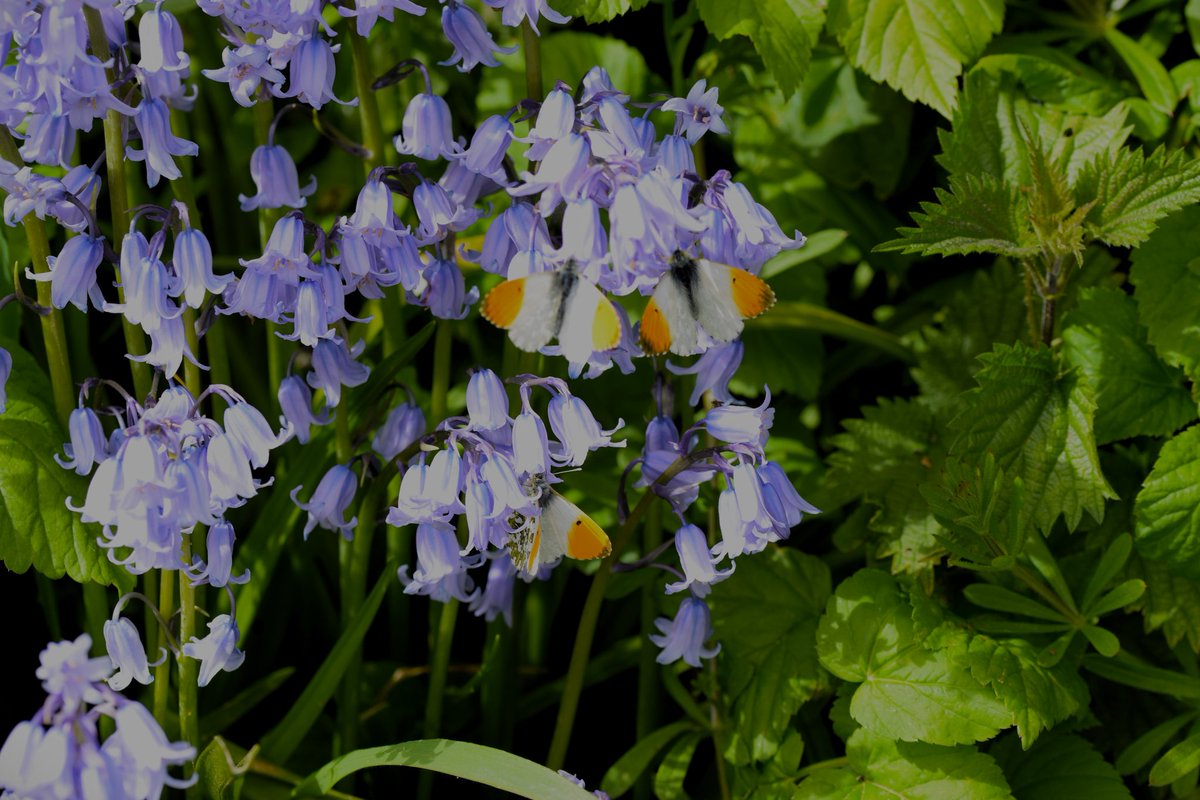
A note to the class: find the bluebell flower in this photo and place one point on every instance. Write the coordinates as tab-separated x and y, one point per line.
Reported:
684	637
28	192
147	284
374	216
159	144
445	294
563	173
784	503
128	654
713	370
5	373
82	182
662	449
519	228
295	400
497	597
555	119
430	491
675	155
473	45
49	140
267	287
698	113
577	429
738	424
425	131
441	572
276	179
246	425
329	502
189	494
367	12
697	562
168	347
217	651
163	64
192	259
245	69
404	425
311	71
142	750
218	571
229	472
439	213
72	273
35	761
334	367
531	446
88	445
69	675
485	156
466	187
487	402
583	237
514	12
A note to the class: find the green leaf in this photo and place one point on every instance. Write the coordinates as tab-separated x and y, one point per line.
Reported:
220	776
629	767
1132	192
36	527
218	719
1105	641
477	763
1038	424
783	32
998	598
283	739
1149	744
1167	509
1053	77
1166	269
594	11
1037	697
980	510
919	48
765	616
1177	762
1144	677
867	621
1122	595
1136	393
1059	767
1107	568
885	770
1148	71
668	780
1171	602
570	54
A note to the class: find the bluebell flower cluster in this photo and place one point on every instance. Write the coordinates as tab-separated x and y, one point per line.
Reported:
59	752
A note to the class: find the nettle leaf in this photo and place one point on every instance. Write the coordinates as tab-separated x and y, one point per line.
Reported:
1131	192
975	506
1136	393
765	616
36	527
917	48
1171	602
1038	424
1167	510
782	31
1059	767
905	691
1165	270
1053	77
880	769
594	11
885	457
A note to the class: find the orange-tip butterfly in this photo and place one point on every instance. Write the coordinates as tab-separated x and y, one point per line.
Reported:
696	293
563	303
560	529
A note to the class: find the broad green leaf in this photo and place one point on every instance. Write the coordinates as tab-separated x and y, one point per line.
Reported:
629	767
1167	509
1136	393
1053	77
1132	192
885	770
283	739
1038	423
1105	641
980	511
220	774
594	11
1142	749
1192	13
1177	762
765	616
1037	697
1165	270
783	32
1171	602
919	48
866	622
668	779
477	763
36	527
570	54
1059	767
1148	71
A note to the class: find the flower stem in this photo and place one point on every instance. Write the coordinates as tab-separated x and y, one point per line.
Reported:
438	669
95	607
189	719
443	338
162	673
368	103
533	61
647	685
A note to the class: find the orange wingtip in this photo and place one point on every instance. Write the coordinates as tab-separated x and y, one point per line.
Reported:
587	540
751	293
535	547
503	303
606	327
655	334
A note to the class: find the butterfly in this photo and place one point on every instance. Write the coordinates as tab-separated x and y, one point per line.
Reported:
560	528
539	307
696	293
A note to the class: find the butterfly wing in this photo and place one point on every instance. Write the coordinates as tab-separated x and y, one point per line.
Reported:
527	307
726	296
668	322
566	531
590	323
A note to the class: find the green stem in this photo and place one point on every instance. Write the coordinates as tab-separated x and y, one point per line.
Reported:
533	61
189	718
808	317
368	103
443	338
96	609
439	667
586	631
647	686
162	673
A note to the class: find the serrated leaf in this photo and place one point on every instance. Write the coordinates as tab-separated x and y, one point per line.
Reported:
1059	767
980	511
783	32
1165	269
1037	697
885	770
594	11
919	48
36	527
1053	77
765	616
1038	424
1131	192
1171	602
1167	510
1136	393
867	621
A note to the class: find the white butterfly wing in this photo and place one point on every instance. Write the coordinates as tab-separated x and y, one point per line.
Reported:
671	299
716	308
533	327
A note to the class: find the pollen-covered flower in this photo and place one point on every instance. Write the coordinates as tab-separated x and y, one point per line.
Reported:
684	636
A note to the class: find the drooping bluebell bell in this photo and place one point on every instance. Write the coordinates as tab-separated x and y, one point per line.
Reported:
147	283
738	424
229	474
430	491
555	119
713	370
245	69
168	348
697	562
128	654
267	288
334	367
218	570
785	505
489	144
519	229
531	445
487	402
70	676
404	425
514	12
439	213
192	260
295	400
27	192
329	502
577	430
49	140
445	292
159	144
88	445
311	71
163	64
144	752
684	636
246	425
83	183
441	572
497	596
425	131
276	179
738	229
72	273
368	12
698	113
5	373
466	30
217	651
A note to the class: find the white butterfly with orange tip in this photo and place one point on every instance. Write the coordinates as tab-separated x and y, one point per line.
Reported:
563	303
696	293
560	528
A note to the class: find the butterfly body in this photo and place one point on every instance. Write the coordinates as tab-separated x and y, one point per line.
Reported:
560	529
